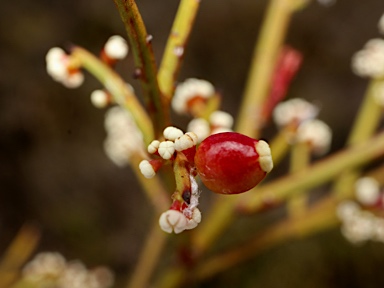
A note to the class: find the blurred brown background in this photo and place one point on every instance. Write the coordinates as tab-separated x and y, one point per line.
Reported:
53	170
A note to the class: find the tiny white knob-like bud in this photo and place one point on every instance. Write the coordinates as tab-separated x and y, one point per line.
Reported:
347	209
367	190
195	220
317	133
166	149
295	109
186	141
116	47
153	146
172	133
99	98
147	169
73	80
221	119
265	156
173	221
200	127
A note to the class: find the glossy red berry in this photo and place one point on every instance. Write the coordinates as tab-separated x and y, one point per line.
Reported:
232	163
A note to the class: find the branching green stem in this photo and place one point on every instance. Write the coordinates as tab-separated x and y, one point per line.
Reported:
146	70
176	45
119	90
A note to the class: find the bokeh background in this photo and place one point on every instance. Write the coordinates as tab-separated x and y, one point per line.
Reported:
53	170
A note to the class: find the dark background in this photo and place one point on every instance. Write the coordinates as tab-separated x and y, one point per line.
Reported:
53	170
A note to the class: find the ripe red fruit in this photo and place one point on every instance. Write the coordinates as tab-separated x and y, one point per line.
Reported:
232	163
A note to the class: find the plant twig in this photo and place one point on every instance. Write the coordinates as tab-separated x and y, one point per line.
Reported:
319	217
117	87
146	70
176	45
149	256
263	65
17	254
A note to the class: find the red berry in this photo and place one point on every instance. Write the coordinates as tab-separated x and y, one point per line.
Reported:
232	163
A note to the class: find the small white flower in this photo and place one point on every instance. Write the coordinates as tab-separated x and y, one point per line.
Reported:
166	149
57	67
360	228
172	133
188	90
317	133
147	169
99	98
200	127
116	47
186	141
195	220
45	265
294	110
367	190
347	210
221	119
153	146
369	62
173	221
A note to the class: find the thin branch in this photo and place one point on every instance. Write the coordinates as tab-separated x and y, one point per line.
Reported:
146	70
176	45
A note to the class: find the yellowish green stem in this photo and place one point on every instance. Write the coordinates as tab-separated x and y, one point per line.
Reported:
263	64
146	70
366	123
176	45
149	257
119	90
18	253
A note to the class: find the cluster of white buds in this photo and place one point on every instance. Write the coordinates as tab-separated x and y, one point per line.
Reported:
191	89
367	191
50	269
57	65
116	48
294	111
186	218
360	225
317	134
174	140
369	62
219	121
123	136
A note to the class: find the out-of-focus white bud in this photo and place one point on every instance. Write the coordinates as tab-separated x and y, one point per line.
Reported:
99	98
369	62
221	119
147	169
200	127
294	110
317	133
347	210
116	47
367	190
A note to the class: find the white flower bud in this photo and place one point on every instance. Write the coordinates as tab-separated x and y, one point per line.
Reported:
166	149
367	190
173	221
147	169
347	209
153	146
99	98
195	220
292	110
221	119
186	141
200	127
317	133
172	133
116	47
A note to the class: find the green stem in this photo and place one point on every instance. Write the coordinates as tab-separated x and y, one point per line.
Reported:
149	257
146	70
319	217
176	44
365	125
117	87
279	190
263	64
